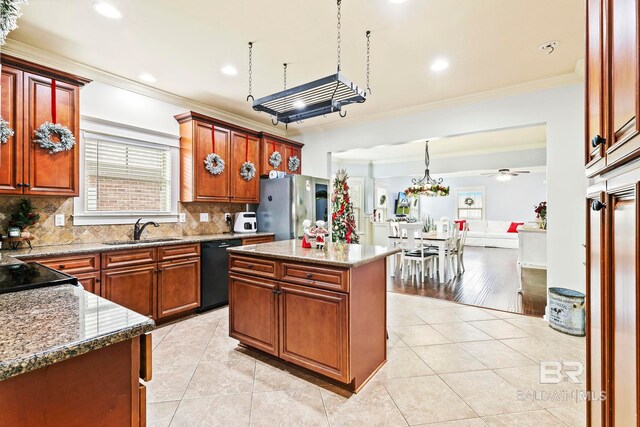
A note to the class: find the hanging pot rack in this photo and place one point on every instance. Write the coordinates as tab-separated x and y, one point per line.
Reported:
316	98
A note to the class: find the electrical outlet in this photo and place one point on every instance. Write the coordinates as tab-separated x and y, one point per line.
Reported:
182	217
227	217
204	217
59	220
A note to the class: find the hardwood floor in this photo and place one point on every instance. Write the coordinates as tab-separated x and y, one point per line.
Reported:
490	280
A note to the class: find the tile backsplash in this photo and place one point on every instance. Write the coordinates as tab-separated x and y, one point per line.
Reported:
45	233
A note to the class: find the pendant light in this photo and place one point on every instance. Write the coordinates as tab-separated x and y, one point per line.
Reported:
427	185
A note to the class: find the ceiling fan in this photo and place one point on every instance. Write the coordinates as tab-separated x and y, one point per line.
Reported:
504	174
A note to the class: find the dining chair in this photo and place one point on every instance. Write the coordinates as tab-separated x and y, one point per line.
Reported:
393	232
414	251
460	248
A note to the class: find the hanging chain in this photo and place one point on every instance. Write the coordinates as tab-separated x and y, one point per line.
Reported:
285	75
250	71
339	27
368	61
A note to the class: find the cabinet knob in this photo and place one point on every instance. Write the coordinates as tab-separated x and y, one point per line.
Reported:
26	185
249	266
597	140
309	275
597	205
61	266
19	185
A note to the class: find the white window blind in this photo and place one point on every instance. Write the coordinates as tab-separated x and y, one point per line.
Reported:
470	204
125	177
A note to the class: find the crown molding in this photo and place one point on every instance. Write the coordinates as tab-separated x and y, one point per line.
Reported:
50	59
577	76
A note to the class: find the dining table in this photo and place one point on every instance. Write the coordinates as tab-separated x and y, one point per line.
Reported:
431	238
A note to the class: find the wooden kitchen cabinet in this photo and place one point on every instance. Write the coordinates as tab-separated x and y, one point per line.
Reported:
257	240
131	287
26	168
178	287
245	148
90	282
314	330
286	147
595	131
253	312
290	151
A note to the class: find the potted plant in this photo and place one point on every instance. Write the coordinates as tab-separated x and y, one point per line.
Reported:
24	217
541	214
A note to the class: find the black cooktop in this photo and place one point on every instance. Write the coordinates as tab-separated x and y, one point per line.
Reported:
20	277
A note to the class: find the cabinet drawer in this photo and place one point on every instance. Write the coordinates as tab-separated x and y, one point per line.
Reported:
128	258
257	240
73	264
254	266
168	253
321	277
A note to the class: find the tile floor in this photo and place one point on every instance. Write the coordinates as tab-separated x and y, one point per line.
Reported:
448	365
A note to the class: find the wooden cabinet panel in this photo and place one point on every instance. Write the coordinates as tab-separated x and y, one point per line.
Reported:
131	287
253	312
594	84
90	282
244	148
255	266
11	152
269	146
46	173
73	264
290	151
120	259
257	240
314	330
318	276
169	253
208	187
178	287
624	241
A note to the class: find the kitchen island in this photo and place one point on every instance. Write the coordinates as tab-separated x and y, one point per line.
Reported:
321	309
69	357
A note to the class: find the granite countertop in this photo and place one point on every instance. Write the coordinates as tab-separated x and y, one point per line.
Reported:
8	260
80	248
44	326
339	255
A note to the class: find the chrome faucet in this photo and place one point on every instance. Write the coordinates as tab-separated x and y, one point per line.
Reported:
137	229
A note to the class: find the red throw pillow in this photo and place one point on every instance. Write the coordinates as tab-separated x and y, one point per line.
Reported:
460	223
513	228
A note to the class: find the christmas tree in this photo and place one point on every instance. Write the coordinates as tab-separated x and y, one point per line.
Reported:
342	220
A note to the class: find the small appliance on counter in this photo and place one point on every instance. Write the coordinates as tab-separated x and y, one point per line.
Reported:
20	277
245	222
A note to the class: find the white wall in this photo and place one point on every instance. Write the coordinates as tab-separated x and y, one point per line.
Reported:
504	201
561	109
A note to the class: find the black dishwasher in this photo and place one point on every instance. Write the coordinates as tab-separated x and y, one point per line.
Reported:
214	277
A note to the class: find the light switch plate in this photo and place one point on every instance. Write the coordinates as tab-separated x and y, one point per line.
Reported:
59	220
183	217
204	217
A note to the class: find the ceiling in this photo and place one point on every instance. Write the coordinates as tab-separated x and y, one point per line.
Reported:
489	44
515	139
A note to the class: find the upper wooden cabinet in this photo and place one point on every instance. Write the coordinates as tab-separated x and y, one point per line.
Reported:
286	147
612	95
230	143
26	168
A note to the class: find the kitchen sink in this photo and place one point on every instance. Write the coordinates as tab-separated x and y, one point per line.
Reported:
137	242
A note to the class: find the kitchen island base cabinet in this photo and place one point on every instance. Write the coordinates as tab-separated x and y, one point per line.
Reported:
340	334
98	388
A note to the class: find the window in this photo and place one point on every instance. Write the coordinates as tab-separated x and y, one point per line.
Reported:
123	178
470	203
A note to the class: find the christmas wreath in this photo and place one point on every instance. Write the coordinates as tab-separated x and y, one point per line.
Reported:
294	163
247	171
275	159
214	164
9	14
469	201
5	131
44	134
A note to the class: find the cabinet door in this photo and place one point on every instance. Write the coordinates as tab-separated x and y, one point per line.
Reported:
291	151
253	312
594	88
45	173
623	211
11	151
314	330
178	287
623	46
269	146
131	287
596	318
208	187
244	148
90	282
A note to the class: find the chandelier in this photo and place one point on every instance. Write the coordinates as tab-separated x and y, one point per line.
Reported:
427	185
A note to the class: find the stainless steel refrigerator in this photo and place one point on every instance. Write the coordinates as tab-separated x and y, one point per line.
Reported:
286	202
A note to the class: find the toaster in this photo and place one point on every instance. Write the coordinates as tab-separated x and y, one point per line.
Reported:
245	222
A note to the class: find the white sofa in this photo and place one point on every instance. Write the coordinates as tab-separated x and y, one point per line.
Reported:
492	234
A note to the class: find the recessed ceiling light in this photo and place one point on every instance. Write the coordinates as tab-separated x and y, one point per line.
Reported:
229	70
106	9
439	65
397	1
299	104
146	77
